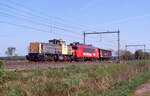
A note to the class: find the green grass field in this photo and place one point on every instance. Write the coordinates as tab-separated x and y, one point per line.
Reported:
89	80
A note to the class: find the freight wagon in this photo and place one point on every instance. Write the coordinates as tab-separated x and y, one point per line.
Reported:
105	54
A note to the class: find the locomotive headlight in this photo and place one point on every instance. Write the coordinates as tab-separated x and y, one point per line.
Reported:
94	54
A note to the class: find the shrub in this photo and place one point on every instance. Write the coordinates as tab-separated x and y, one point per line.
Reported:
2	72
1	65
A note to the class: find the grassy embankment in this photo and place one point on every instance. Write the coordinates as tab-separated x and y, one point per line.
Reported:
90	80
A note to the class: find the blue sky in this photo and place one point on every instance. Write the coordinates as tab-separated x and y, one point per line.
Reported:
68	19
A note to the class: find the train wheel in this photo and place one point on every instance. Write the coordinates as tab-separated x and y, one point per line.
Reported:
55	58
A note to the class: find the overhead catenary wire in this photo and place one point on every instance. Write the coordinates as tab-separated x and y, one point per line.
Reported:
23	17
31	20
50	25
31	11
28	27
24	26
102	38
31	14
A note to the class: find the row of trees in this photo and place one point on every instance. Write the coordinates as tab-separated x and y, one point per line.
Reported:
138	55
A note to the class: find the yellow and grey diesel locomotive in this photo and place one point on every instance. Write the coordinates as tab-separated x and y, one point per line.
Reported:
53	51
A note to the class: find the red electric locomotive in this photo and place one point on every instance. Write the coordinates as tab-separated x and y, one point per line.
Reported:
84	52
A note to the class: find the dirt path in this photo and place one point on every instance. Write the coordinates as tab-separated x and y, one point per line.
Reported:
143	90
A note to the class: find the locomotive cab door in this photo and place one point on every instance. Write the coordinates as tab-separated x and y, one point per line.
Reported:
64	47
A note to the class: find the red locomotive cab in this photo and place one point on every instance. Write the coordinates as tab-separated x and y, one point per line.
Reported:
76	51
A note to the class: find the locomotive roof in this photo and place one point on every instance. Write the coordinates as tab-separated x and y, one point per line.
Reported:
85	45
92	47
82	45
58	40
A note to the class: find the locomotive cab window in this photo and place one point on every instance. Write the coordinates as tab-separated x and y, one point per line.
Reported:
76	48
93	50
63	43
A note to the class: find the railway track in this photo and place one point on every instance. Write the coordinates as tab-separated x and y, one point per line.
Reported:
33	65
